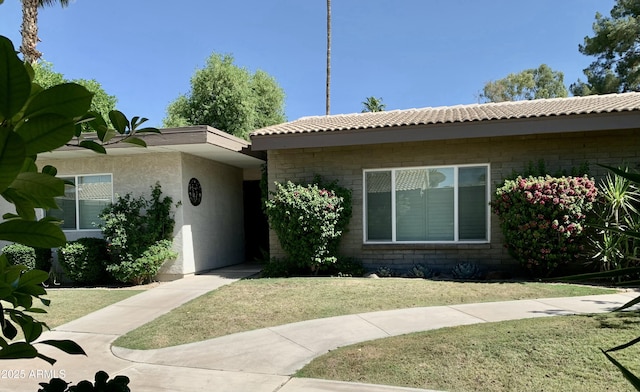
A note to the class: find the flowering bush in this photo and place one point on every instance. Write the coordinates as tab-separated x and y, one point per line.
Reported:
542	219
309	221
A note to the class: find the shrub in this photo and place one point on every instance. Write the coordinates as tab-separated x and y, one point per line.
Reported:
84	260
542	219
617	213
539	169
282	268
346	266
19	254
145	267
134	226
308	221
286	267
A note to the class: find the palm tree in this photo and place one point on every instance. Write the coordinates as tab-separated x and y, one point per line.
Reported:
328	56
29	29
373	104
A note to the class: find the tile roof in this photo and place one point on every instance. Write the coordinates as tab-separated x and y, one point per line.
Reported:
591	104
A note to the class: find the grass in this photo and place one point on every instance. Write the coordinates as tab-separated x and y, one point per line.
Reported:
543	354
261	303
70	304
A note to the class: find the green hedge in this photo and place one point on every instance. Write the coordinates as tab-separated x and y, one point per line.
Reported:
20	254
84	260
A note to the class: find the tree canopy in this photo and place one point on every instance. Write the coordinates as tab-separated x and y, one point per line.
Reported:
228	98
615	44
46	77
373	104
534	83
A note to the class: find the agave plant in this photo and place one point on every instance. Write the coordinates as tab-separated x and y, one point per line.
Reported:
466	271
420	271
384	272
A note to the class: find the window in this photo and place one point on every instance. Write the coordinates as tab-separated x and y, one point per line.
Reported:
427	204
83	201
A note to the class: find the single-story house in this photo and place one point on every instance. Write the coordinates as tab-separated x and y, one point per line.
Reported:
422	179
213	174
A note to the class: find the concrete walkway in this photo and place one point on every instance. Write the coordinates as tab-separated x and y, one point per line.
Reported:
256	361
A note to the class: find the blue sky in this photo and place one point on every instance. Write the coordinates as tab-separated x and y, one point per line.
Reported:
411	53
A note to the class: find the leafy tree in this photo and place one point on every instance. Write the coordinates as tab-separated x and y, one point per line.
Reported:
29	28
534	83
101	103
615	45
373	104
228	98
45	76
268	100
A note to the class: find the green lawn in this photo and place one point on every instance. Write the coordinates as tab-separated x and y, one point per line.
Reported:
261	303
543	354
70	304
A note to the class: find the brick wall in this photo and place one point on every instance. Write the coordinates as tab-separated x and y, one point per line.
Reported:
504	154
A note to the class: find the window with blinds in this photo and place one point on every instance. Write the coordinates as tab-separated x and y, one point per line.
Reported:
427	204
84	199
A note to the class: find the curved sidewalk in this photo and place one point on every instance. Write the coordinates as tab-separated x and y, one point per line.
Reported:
260	360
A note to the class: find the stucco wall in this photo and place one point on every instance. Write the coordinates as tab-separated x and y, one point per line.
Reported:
134	174
207	236
503	154
212	233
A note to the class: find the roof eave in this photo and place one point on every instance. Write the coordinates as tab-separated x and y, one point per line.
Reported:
202	140
450	131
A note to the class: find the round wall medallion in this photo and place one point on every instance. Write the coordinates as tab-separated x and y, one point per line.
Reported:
195	191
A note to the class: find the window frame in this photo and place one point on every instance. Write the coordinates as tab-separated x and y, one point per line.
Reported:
77	200
456	240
